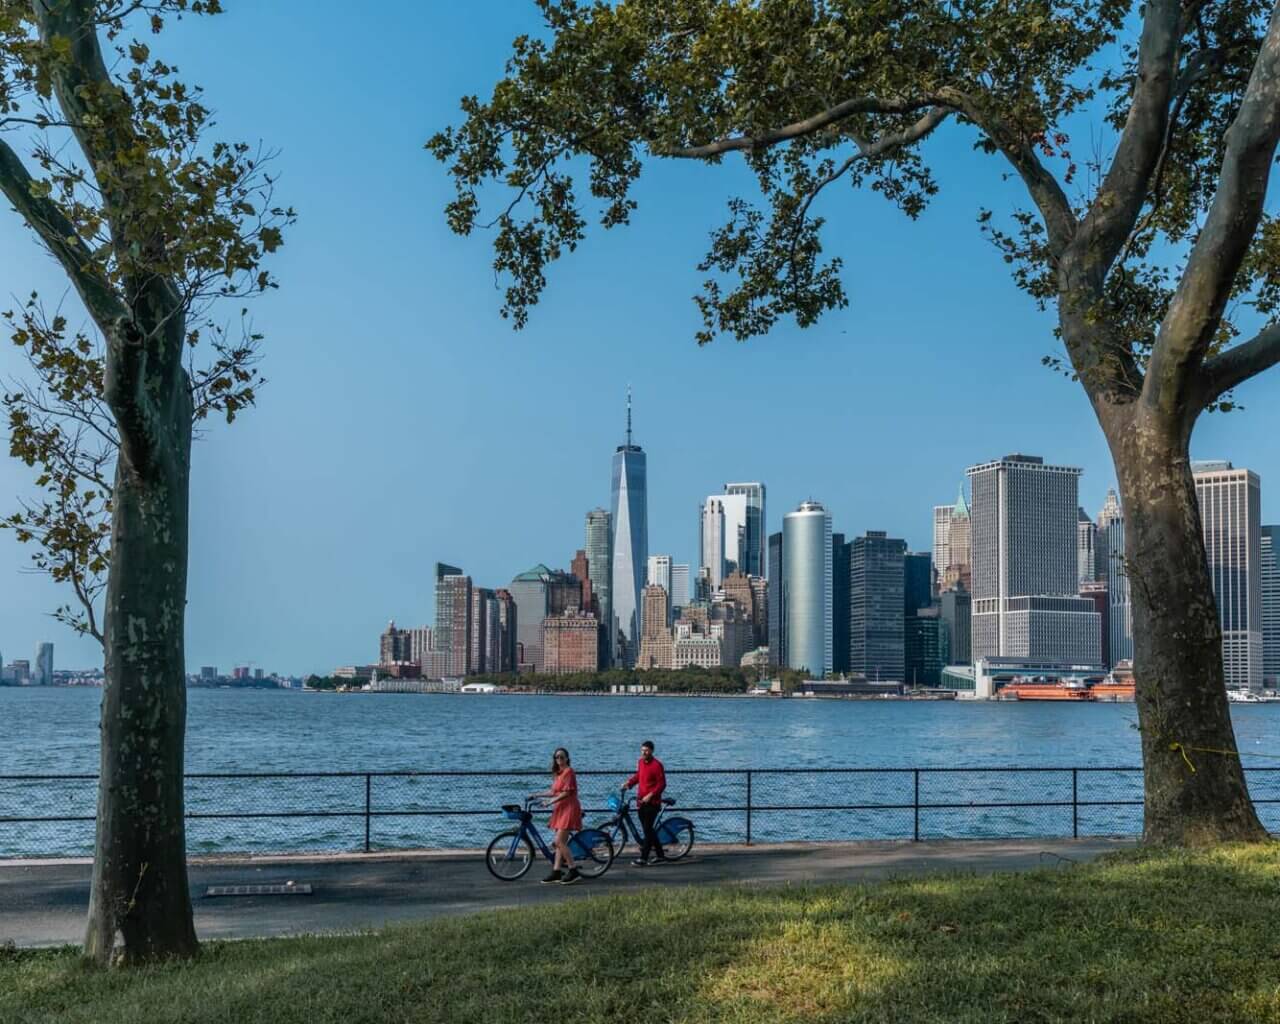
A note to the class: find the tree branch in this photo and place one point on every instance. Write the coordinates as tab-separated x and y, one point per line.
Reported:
1195	312
59	236
1237	364
807	126
1123	192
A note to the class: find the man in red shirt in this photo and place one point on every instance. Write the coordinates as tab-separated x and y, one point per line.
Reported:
652	781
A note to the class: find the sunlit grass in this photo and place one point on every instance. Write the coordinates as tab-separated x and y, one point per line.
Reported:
1168	938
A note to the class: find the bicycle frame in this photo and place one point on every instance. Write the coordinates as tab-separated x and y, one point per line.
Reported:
528	830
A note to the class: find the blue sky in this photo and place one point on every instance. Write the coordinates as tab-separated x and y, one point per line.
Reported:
405	422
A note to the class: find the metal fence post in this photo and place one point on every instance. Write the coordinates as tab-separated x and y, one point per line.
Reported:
916	804
1075	803
368	807
748	806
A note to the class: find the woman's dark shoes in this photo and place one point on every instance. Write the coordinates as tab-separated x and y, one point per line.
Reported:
553	877
571	877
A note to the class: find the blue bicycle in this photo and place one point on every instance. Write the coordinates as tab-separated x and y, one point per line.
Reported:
511	853
674	833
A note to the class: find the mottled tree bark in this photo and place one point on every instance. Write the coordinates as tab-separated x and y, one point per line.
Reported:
140	907
1195	791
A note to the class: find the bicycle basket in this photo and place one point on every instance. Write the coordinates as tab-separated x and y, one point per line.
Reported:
514	811
614	802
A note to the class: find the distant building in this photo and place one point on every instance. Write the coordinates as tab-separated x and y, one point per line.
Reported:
807	588
923	647
876	607
421	640
1025	567
679	584
955	612
599	541
741	590
760	591
1086	549
695	650
917	582
1231	514
44	665
208	673
537	594
453	619
505	642
1111	571
1269	546
1097	593
393	645
579	570
951	545
840	626
752	554
570	643
777	603
659	575
713	536
630	542
656	650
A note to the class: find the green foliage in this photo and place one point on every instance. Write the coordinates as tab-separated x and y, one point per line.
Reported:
1164	939
155	225
818	92
617	83
685	680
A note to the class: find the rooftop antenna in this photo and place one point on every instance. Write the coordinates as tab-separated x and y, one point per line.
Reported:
628	415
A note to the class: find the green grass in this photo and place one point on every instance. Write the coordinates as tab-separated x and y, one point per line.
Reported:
1176	937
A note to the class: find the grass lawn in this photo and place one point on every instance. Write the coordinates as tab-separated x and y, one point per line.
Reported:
1167	938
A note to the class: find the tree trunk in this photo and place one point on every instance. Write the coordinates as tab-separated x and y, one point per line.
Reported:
1195	791
140	907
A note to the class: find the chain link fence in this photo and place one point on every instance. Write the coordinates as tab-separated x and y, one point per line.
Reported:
293	812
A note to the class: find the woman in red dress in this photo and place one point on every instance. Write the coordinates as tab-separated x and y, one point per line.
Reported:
566	816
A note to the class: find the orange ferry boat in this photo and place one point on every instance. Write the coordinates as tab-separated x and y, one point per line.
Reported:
1112	691
1018	690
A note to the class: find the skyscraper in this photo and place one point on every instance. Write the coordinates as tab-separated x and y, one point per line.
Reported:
716	537
917	590
1086	549
453	619
941	540
630	543
840	552
679	584
1112	572
753	555
954	609
777	603
538	593
877	601
599	548
951	544
44	665
1270	550
1230	515
659	574
1025	597
807	587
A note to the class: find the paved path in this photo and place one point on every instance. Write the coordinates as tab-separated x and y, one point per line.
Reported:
44	903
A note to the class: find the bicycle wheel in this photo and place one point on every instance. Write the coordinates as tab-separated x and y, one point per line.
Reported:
616	833
676	837
592	849
509	855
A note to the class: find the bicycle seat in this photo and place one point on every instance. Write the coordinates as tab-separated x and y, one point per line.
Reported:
668	801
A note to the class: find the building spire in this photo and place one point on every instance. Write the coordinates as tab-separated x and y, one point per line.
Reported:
628	415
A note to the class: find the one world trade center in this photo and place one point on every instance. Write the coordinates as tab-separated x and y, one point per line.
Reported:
630	546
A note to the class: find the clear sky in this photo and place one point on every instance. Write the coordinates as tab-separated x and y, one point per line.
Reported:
405	422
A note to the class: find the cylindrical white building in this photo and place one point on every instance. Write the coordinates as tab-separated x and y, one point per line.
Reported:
806	544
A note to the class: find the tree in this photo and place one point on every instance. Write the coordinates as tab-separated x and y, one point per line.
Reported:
1141	250
151	225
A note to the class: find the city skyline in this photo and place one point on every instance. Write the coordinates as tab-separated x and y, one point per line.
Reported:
387	362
